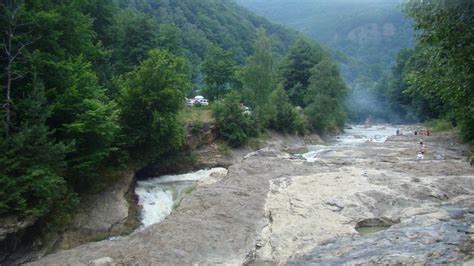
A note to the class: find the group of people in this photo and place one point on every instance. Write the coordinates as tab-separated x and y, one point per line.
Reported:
423	132
421	147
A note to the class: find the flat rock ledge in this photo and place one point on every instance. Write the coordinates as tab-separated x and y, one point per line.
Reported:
444	235
273	208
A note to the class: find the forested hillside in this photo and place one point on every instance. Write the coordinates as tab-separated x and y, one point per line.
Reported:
364	36
435	79
82	92
93	87
196	24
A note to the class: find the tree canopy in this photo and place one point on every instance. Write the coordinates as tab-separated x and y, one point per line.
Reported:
446	46
90	87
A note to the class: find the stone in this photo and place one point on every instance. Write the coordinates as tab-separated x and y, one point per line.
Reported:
100	215
12	231
105	261
314	209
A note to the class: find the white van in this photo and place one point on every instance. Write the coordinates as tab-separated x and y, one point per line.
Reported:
203	102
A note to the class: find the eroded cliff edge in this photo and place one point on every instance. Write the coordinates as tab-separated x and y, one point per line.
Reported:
276	208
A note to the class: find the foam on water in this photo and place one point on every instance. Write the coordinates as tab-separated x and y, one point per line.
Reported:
312	155
157	195
356	135
361	134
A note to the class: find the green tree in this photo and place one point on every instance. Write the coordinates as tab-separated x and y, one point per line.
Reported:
169	38
259	78
235	126
89	114
219	70
410	105
151	96
83	115
302	56
12	45
446	44
135	35
325	96
286	118
31	161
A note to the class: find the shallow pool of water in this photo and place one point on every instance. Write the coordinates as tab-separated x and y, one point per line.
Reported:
367	230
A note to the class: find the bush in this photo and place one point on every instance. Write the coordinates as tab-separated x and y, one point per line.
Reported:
234	126
285	117
438	125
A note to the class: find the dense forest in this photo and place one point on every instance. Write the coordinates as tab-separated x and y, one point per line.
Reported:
93	87
364	36
435	79
388	79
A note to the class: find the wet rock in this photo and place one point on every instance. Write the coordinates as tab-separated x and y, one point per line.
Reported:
330	201
277	210
297	150
101	215
232	208
105	261
416	241
313	138
266	152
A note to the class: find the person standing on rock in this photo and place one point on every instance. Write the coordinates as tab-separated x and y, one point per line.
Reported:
420	156
422	148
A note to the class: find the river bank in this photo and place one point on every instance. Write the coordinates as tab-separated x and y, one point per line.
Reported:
275	207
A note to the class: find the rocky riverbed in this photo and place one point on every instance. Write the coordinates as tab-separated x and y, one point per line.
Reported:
274	207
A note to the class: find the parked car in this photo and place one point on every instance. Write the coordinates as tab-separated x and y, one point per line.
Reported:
196	101
200	100
189	102
203	102
246	110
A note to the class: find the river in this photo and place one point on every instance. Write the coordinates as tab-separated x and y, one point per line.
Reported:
274	208
353	136
158	196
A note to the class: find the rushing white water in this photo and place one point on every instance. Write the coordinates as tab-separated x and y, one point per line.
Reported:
158	195
354	135
361	134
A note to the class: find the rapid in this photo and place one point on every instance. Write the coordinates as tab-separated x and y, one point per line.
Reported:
157	196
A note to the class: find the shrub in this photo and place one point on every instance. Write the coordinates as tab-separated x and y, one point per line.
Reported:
234	126
438	125
285	117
